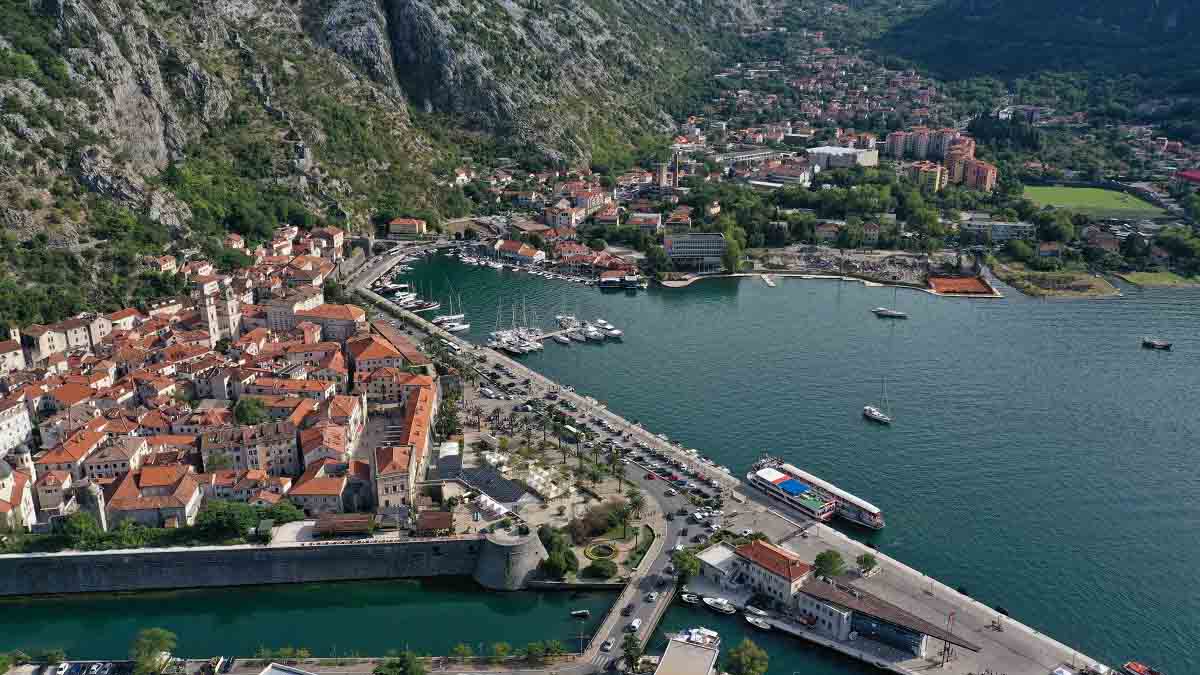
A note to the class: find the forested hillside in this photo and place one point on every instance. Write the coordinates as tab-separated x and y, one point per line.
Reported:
128	125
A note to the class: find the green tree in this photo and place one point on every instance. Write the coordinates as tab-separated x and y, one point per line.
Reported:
150	649
731	259
500	651
687	565
631	647
637	501
81	530
535	652
746	659
462	651
866	562
600	569
407	663
829	563
249	411
220	519
597	244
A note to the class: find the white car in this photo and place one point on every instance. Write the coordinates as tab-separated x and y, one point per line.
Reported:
746	532
671	492
652	596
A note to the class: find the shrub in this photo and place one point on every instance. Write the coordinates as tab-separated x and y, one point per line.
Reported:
600	569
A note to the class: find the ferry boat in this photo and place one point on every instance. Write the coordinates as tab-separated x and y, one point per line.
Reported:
720	605
1153	343
1136	668
885	313
810	495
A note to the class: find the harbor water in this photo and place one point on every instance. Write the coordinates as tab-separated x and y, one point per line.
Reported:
1041	460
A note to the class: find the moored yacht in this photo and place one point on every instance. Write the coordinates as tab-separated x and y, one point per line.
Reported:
876	415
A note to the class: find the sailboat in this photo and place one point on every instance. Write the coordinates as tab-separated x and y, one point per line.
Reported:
887	313
877	414
452	317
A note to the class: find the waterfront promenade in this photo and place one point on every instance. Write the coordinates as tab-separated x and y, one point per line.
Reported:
1014	649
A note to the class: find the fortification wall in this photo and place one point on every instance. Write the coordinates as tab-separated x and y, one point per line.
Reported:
110	571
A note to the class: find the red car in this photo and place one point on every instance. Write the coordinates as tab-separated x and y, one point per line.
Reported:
650	476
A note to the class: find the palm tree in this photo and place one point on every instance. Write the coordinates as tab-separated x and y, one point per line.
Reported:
637	501
618	472
624	514
527	434
477	413
594	475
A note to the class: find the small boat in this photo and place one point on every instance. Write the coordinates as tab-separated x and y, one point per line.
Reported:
1153	343
751	609
614	333
1136	668
562	339
758	622
876	415
690	598
446	318
885	313
720	605
581	614
455	327
577	336
603	324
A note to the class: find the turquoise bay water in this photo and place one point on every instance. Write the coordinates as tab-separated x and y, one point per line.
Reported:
332	619
1041	460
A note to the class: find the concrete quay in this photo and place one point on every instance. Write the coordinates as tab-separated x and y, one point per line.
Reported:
1007	646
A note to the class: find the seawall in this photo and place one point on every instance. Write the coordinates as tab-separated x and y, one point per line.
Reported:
495	564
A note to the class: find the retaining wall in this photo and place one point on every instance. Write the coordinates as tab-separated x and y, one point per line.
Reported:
506	568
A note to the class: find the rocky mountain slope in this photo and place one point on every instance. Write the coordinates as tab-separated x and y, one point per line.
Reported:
128	124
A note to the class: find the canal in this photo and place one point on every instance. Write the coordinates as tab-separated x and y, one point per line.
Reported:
368	618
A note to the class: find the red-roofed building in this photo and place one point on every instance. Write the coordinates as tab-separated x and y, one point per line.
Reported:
516	251
770	570
391	472
156	496
16	499
323	440
407	227
324	488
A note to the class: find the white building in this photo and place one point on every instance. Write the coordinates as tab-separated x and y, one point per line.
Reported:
998	231
16	428
695	249
835	157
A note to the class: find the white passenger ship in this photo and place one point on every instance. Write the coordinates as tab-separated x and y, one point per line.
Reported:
810	495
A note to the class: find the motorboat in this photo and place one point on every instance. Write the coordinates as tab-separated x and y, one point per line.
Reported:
751	609
446	318
602	324
690	598
885	313
614	333
876	415
456	327
757	621
562	339
581	614
1136	668
1154	343
577	336
720	605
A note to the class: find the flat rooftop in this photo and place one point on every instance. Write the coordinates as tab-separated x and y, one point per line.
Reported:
845	595
687	658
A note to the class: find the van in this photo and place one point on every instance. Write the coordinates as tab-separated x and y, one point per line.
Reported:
634	626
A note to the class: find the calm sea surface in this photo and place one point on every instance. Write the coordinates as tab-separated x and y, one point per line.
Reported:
1041	459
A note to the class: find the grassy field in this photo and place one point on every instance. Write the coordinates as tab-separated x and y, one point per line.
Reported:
1093	202
1159	279
1063	284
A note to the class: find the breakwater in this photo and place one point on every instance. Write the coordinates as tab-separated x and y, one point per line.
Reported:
498	563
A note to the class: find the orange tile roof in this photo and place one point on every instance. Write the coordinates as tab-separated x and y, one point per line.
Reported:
779	561
334	312
72	394
392	460
74	449
371	347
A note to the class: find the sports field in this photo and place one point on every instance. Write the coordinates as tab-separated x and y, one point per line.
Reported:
1093	202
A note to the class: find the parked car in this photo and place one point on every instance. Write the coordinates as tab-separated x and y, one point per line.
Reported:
627	609
671	492
608	645
652	596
